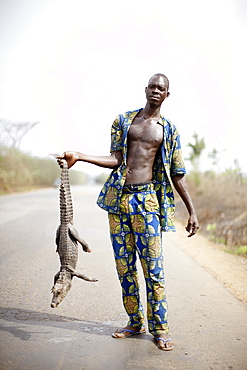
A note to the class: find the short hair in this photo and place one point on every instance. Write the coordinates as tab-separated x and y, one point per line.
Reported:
162	75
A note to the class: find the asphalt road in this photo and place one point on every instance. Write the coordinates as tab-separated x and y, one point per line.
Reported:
208	324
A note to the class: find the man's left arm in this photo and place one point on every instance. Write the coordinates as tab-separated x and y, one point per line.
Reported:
181	186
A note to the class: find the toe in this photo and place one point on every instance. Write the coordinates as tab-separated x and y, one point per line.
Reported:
164	343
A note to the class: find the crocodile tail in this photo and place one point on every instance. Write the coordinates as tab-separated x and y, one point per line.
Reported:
66	205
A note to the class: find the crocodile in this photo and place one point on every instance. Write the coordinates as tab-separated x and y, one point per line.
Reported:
66	241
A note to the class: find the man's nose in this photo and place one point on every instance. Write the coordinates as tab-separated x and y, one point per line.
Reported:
155	90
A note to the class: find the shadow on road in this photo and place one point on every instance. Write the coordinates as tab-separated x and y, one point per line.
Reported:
36	318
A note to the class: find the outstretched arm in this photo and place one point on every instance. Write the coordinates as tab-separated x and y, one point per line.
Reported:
111	161
181	185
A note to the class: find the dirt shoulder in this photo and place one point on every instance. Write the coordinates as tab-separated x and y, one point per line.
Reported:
230	270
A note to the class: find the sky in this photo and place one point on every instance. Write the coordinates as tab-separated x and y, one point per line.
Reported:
75	65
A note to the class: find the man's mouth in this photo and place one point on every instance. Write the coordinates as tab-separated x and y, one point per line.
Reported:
154	97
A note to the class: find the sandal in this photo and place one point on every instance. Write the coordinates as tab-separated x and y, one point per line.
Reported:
126	333
163	348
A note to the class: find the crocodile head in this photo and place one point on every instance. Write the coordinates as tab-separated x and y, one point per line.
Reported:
60	290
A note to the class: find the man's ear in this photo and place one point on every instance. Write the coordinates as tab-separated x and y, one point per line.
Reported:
168	94
145	89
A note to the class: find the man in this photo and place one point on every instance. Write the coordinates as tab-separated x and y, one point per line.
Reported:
145	154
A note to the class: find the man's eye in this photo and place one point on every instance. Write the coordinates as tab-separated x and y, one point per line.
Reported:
161	88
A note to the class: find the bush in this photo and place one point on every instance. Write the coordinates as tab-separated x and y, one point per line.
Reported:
220	201
20	171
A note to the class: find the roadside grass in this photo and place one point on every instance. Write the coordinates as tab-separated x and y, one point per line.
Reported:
220	201
21	172
240	251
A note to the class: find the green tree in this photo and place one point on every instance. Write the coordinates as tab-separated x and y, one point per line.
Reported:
214	156
196	150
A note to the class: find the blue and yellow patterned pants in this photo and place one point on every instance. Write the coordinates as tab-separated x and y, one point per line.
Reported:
137	230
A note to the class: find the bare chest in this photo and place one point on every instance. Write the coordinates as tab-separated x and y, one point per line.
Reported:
146	131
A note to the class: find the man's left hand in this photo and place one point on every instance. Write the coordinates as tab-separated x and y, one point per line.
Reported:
192	226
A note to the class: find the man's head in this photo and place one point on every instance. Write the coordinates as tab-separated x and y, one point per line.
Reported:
163	77
157	89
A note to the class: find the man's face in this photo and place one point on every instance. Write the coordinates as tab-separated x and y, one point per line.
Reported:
157	90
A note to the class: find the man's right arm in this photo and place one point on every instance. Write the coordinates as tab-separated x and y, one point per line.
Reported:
111	161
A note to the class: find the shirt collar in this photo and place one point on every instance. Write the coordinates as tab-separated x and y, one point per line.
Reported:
133	114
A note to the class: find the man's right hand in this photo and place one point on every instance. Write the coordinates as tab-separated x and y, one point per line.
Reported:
70	157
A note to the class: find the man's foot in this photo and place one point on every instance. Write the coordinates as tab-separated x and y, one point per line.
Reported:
127	332
164	342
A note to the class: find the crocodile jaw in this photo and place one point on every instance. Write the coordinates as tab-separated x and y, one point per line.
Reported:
60	290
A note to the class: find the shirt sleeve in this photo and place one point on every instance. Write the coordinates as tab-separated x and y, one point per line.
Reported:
177	161
116	135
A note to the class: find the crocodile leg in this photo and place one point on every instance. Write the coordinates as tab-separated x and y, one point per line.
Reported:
56	277
74	233
77	274
57	237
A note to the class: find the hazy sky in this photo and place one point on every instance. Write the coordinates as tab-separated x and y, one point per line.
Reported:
74	65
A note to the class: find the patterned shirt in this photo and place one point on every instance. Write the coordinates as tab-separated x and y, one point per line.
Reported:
168	162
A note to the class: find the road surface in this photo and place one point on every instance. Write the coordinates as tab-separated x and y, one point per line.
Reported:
208	324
